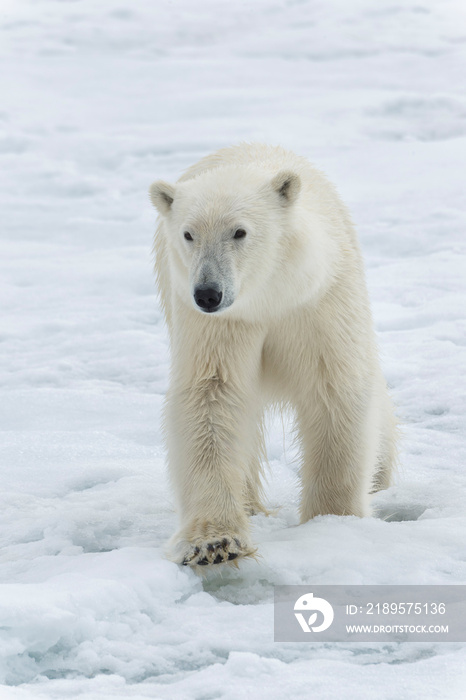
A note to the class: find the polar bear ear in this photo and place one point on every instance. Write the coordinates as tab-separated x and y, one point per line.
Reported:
287	185
162	195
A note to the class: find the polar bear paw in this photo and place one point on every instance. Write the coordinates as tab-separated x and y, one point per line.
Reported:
224	548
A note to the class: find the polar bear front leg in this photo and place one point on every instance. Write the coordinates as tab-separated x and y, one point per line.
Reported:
211	430
339	454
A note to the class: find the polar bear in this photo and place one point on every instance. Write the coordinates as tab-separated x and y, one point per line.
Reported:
262	285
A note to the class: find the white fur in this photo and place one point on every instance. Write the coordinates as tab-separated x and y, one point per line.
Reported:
294	328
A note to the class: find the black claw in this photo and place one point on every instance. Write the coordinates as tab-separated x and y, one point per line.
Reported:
196	550
210	547
232	555
224	543
218	559
185	562
238	543
202	562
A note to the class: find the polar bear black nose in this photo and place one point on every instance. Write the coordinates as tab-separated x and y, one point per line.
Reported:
207	298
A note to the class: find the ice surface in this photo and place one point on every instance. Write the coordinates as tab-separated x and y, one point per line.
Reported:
97	101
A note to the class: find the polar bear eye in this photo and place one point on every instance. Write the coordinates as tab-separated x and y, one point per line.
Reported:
188	236
240	233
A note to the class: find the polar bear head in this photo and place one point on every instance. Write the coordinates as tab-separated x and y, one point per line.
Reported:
227	234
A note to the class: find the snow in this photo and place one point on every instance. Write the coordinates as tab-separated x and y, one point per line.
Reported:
97	101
